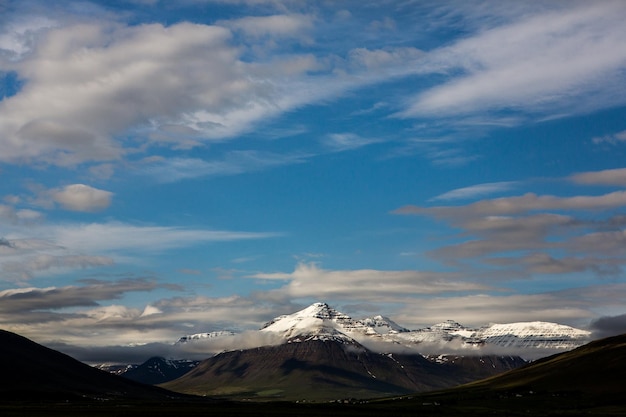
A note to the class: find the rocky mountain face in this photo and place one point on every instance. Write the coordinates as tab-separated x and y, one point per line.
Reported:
328	368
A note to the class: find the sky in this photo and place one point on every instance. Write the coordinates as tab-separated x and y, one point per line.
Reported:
170	168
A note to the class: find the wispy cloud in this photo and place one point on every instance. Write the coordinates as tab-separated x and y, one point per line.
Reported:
612	139
530	234
308	280
281	25
577	48
339	142
45	249
233	163
521	204
474	191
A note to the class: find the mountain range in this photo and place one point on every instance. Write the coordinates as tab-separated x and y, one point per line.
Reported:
320	321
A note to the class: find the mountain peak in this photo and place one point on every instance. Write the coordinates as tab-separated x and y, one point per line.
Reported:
318	321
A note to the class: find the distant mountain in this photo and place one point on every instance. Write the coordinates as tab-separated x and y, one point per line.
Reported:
520	336
158	370
34	372
205	336
322	359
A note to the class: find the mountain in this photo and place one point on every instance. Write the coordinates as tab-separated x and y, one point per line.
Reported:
321	359
158	370
522	336
327	369
34	372
323	321
204	336
529	339
536	334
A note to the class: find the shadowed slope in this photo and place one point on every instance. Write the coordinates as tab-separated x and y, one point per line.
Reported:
30	370
598	367
324	370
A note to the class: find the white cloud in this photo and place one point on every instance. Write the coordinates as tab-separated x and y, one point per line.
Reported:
119	238
18	38
46	249
542	63
308	280
177	86
80	197
89	82
19	216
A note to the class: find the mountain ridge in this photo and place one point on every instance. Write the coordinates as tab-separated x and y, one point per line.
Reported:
319	320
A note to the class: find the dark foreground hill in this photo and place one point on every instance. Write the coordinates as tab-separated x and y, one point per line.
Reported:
317	370
33	372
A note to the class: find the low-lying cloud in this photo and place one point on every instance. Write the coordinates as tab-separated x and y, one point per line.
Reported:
609	326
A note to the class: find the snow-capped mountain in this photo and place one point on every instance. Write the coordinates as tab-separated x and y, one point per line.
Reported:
316	322
535	334
319	321
383	325
204	336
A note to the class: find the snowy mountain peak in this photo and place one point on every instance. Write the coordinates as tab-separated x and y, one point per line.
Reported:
319	321
448	325
382	324
310	315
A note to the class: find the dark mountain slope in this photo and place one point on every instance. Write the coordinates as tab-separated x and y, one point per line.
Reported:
29	370
323	370
587	381
598	367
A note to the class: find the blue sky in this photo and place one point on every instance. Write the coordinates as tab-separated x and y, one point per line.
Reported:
179	167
